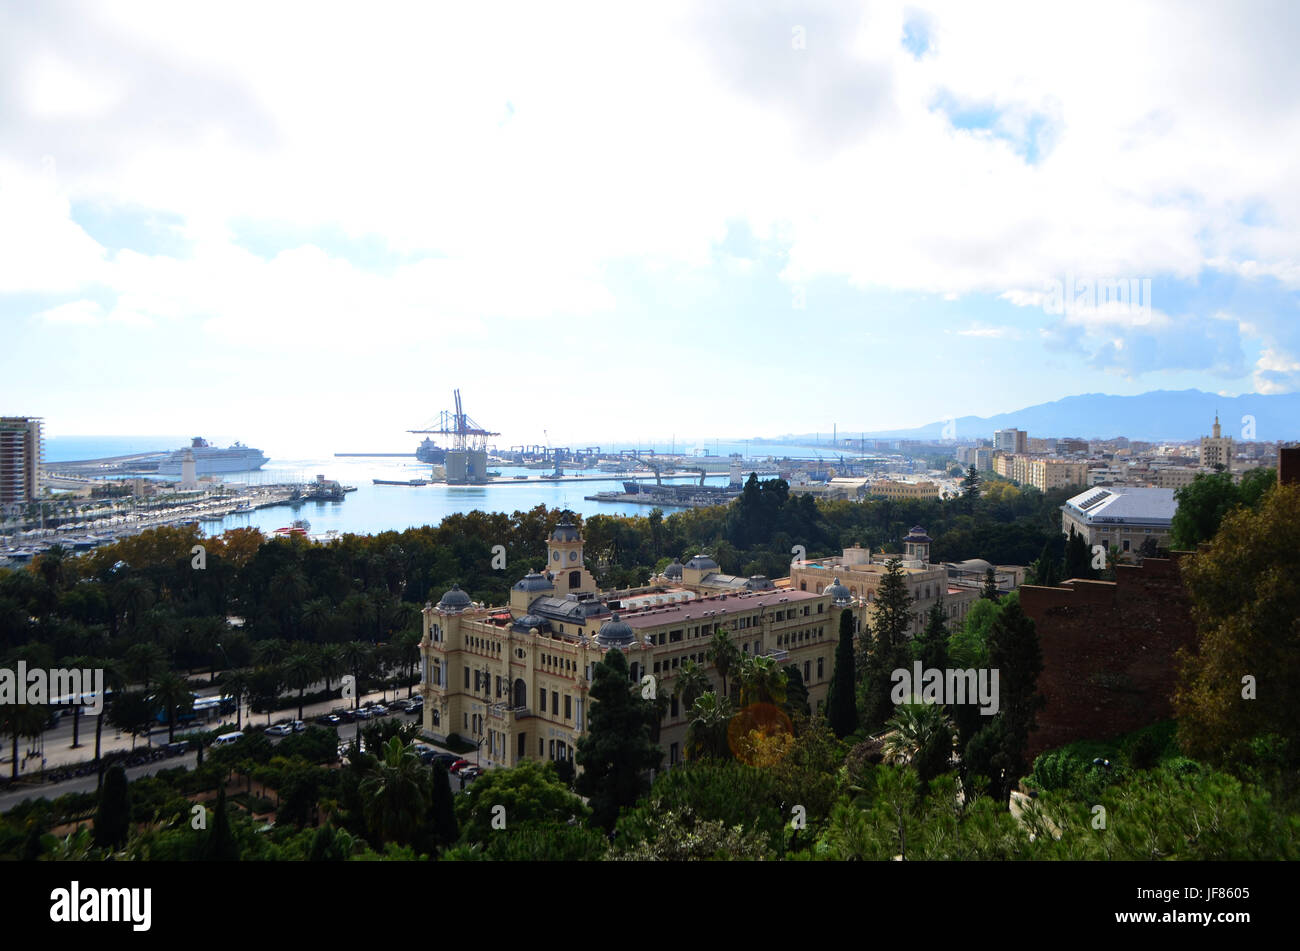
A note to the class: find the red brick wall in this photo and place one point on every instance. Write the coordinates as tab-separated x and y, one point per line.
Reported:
1108	651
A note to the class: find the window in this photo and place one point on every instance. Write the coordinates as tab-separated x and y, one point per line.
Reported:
803	586
568	707
674	636
466	678
555	702
656	667
523	750
807	671
821	608
541	746
674	709
541	702
821	669
467	721
672	755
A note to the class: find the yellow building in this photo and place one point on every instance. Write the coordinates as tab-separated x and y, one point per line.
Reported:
1216	450
890	489
861	573
515	678
1042	473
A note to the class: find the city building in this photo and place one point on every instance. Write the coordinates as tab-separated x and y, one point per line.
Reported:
1121	516
892	489
1216	450
21	454
1011	440
861	572
1042	473
515	678
984	459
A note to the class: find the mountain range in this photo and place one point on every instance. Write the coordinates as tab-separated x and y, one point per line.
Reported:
1157	416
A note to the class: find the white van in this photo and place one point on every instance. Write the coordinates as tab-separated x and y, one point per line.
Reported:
225	739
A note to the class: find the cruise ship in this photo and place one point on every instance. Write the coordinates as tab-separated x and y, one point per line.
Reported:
210	459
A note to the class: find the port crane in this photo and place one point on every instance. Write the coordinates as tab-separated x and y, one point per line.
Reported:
466	434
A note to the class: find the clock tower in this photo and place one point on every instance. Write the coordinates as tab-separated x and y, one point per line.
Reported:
564	559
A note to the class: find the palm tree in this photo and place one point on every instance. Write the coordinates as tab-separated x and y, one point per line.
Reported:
724	655
692	683
330	660
396	795
143	662
315	614
114	681
299	671
174	696
407	645
133	596
271	652
911	729
356	655
236	685
706	730
761	681
20	720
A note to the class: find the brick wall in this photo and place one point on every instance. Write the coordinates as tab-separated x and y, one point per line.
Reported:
1108	651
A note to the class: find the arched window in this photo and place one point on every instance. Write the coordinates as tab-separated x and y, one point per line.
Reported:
575	579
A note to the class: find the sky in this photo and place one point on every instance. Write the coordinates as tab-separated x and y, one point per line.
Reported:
304	225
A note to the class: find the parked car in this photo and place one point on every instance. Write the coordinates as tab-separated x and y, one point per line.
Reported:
432	757
330	719
344	715
377	710
362	714
280	729
457	766
470	773
298	726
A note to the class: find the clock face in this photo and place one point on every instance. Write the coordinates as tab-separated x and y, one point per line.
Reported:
573	556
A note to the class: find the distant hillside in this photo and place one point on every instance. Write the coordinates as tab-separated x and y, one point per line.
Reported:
1173	415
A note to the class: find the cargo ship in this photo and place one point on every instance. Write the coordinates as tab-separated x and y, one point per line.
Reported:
430	451
209	459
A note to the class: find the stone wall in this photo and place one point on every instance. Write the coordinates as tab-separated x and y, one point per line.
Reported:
1108	651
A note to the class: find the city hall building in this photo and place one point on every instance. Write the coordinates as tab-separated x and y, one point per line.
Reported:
515	678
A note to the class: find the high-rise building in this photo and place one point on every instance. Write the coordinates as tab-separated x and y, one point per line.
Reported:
21	454
1011	440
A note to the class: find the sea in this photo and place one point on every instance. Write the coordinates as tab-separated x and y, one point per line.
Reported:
377	508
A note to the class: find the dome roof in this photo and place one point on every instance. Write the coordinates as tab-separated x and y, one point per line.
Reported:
565	530
917	534
702	562
674	570
839	594
534	582
759	583
615	633
454	600
529	621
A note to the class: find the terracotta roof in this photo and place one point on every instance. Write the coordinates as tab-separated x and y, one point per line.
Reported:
712	609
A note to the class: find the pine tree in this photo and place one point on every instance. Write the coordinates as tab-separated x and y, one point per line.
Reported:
1015	653
616	752
1078	560
113	817
931	648
971	484
220	845
443	808
841	699
890	648
990	590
